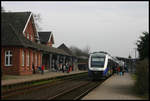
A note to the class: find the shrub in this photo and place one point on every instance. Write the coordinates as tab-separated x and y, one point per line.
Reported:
142	80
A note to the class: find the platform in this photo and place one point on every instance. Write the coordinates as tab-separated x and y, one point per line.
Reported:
114	88
11	79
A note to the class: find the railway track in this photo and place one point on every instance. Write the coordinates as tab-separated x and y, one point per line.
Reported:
77	92
7	94
67	89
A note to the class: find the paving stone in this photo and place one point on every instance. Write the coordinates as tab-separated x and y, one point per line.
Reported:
115	88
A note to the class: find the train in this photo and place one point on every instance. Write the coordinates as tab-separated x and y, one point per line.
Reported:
102	65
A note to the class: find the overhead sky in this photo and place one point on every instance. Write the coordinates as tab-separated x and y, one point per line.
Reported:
113	26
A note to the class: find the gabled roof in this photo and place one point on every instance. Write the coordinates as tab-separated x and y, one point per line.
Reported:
9	36
17	19
45	37
66	49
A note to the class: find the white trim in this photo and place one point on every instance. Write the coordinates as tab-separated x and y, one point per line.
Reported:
35	30
27	23
50	38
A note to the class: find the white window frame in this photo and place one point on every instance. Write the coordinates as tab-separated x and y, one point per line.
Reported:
9	55
23	53
28	35
28	59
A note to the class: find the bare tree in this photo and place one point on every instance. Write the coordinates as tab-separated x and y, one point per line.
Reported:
2	9
86	50
38	19
78	52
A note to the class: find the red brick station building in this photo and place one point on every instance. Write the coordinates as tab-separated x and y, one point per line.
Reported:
22	45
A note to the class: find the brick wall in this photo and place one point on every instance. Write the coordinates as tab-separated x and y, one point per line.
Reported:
14	69
49	44
30	29
17	68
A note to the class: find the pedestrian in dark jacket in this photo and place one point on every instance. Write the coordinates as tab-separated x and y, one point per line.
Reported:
67	67
121	71
63	68
33	68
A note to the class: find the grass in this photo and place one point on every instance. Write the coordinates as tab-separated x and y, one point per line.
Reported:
141	79
34	83
134	76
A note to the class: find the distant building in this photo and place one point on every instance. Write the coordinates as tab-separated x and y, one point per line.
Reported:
72	58
46	38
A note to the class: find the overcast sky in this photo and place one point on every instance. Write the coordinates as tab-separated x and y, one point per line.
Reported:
103	26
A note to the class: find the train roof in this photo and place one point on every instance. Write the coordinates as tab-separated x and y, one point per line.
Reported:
102	53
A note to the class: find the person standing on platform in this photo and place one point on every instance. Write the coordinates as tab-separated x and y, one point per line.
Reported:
67	67
63	68
72	67
118	69
33	68
121	71
42	68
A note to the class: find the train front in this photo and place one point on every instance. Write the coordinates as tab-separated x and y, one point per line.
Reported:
97	65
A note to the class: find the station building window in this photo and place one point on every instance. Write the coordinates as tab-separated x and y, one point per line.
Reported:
8	58
28	59
27	35
23	58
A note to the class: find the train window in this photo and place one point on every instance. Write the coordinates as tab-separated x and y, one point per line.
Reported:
97	61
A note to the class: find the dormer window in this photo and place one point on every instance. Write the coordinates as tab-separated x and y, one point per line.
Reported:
23	58
27	35
28	59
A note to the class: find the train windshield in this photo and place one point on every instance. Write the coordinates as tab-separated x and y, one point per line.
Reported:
97	61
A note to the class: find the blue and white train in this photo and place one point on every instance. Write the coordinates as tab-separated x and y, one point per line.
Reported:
101	65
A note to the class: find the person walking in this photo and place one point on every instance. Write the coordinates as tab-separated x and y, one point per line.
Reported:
118	70
33	68
69	70
63	67
72	67
67	67
39	69
42	69
55	66
121	71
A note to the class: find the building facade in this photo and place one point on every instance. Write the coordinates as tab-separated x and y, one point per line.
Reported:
23	46
18	52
